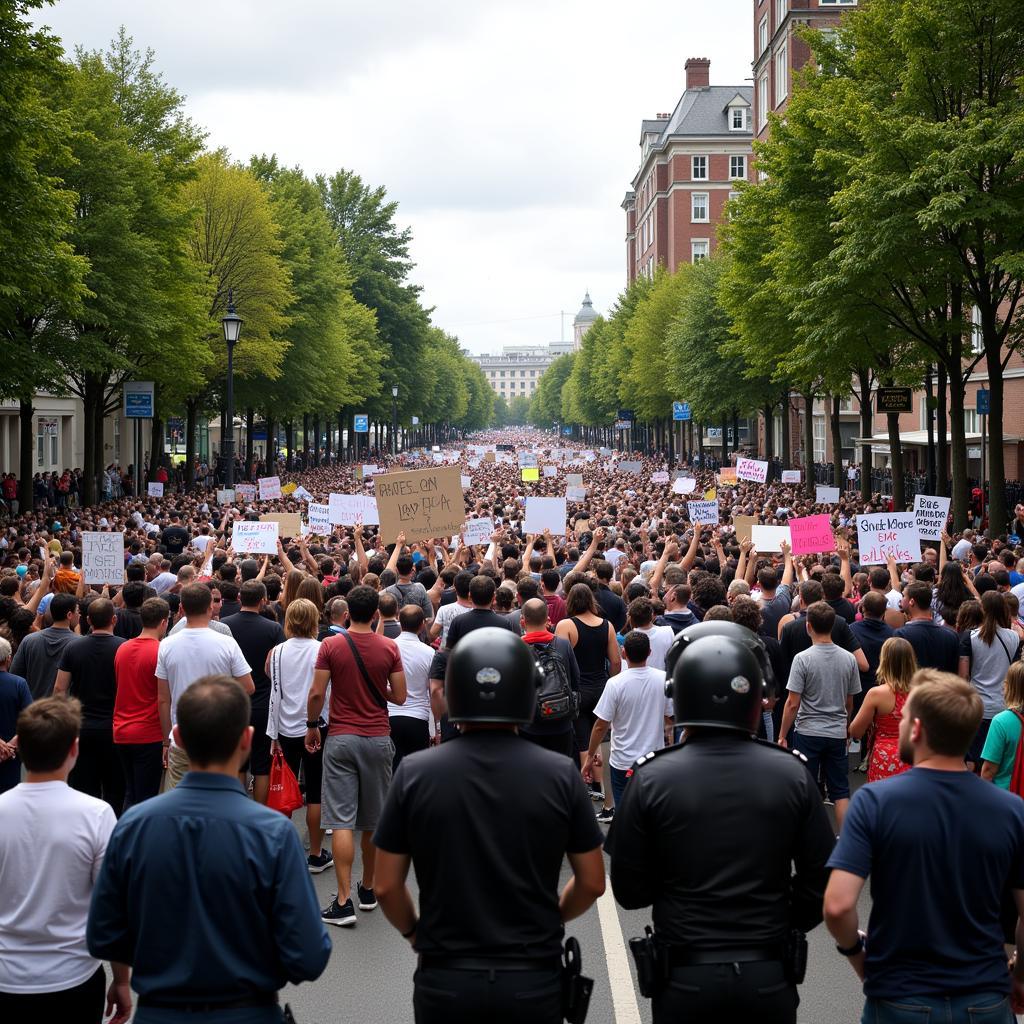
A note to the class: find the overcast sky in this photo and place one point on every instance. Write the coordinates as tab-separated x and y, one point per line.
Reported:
507	131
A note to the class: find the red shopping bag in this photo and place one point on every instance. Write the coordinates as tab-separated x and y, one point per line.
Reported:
284	787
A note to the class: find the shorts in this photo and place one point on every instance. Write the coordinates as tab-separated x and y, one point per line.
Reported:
296	754
259	753
357	773
830	754
177	765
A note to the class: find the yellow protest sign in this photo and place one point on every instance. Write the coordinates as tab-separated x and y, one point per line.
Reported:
531	473
710	495
289	488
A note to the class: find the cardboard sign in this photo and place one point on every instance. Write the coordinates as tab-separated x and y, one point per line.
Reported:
769	538
659	478
345	509
155	490
467	482
630	466
254	538
489	457
289	524
270	487
791	476
527	459
574	479
888	533
245	492
478	531
289	488
575	493
102	557
545	514
812	535
752	469
826	495
931	513
551	471
531	473
422	503
319	519
684	485
226	496
743	526
301	494
702	513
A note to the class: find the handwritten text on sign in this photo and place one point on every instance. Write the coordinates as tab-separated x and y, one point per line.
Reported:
254	538
812	534
422	503
931	513
345	509
270	488
103	557
888	533
752	469
319	518
478	531
791	476
702	512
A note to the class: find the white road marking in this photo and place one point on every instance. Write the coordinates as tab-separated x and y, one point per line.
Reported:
620	979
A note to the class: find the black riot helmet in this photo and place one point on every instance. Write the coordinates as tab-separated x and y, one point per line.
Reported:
698	630
717	684
491	677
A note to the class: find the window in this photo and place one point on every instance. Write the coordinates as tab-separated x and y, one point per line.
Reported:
781	74
737	166
700	168
699	249
971	421
40	451
819	438
762	35
762	101
737	119
977	341
53	450
780	12
699	207
837	3
522	373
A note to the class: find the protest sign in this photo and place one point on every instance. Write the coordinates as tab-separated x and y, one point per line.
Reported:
743	525
630	466
931	513
791	476
888	533
102	557
422	503
270	488
575	493
711	494
703	513
345	509
302	494
254	538
684	485
551	471
226	496
575	479
826	495
289	524
727	476
659	478
752	469
467	482
289	488
812	535
545	514
370	469
489	457
245	492
531	473
478	531
319	519
155	490
526	459
769	538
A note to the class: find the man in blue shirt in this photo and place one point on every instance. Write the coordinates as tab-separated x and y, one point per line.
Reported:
934	646
204	892
940	845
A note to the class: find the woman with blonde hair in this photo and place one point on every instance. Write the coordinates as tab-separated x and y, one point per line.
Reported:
1000	751
883	708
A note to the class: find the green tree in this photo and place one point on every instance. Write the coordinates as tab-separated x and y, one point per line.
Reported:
546	404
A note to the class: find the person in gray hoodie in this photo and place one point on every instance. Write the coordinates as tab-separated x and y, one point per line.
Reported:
38	655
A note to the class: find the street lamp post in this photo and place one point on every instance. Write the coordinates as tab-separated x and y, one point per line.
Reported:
232	324
394	421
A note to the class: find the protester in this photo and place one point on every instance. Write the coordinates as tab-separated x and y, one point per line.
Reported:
1002	744
14	698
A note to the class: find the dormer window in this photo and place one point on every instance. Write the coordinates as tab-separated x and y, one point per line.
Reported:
737	119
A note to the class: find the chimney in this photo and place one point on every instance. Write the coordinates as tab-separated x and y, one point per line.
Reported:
698	73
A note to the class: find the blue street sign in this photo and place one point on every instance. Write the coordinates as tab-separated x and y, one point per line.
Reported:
567	431
983	401
680	410
362	424
138	400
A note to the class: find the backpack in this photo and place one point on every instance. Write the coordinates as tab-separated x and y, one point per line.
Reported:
555	698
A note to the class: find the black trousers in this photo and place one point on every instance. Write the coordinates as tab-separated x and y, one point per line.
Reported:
143	768
713	993
497	997
408	735
98	770
559	742
82	1004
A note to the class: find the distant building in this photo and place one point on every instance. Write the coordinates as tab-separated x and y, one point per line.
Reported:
519	367
583	321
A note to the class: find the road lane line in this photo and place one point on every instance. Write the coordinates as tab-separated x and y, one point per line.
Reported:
620	979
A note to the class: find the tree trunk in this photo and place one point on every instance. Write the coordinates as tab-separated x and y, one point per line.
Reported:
998	515
958	451
787	441
942	427
88	426
270	458
809	480
250	420
837	445
191	417
316	440
26	447
866	429
99	458
289	440
328	437
725	439
342	447
769	441
156	447
896	459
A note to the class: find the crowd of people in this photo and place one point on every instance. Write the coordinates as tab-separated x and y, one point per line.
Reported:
141	725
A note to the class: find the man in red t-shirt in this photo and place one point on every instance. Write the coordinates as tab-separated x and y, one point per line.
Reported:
138	738
365	672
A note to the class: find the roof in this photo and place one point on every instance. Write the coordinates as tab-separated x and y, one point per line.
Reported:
586	313
703	112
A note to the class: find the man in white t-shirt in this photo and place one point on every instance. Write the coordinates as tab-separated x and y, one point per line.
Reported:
410	722
51	845
640	715
448	613
962	548
186	657
641	618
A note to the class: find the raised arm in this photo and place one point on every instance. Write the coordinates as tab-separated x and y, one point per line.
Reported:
361	560
309	560
588	555
670	550
285	560
397	552
894	574
843	547
787	568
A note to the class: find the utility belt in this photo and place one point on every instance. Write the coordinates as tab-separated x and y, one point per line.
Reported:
576	989
257	999
655	960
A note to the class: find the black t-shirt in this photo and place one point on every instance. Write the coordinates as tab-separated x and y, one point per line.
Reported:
175	539
510	810
229	608
612	607
843	609
129	623
475	618
256	636
90	660
934	646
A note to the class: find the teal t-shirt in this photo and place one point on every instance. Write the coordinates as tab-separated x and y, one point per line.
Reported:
1001	746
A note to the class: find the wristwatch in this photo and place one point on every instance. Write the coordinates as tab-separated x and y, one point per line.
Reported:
313	725
857	947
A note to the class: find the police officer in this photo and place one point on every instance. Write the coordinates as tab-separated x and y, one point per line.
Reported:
726	838
486	819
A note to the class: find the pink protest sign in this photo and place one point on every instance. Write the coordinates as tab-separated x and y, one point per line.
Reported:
812	534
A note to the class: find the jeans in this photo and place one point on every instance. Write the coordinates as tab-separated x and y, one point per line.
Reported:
497	997
975	1008
143	767
98	771
619	780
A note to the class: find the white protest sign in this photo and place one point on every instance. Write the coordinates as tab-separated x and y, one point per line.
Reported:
370	469
769	538
467	482
702	513
346	508
527	460
225	496
319	519
254	538
545	514
791	476
155	490
931	513
302	494
659	478
478	531
270	488
551	471
888	533
684	485
474	463
575	479
245	492
752	469
576	493
826	495
102	557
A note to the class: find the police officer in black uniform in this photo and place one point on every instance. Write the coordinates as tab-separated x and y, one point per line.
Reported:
726	837
486	819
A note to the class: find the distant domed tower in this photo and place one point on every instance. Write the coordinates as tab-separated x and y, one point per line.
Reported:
583	321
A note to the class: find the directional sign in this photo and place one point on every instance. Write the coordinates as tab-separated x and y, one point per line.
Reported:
362	424
138	399
681	411
983	402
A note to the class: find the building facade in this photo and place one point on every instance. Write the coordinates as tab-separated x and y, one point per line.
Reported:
519	368
690	161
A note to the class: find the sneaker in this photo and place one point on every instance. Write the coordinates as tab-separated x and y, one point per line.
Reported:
319	862
597	795
341	914
605	815
367	901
